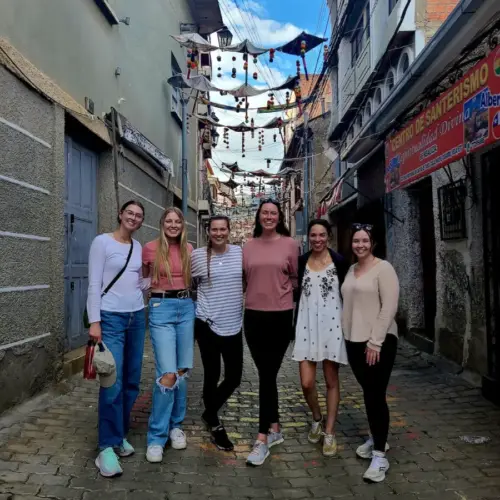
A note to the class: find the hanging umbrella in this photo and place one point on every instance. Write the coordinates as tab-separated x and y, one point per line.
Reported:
246	47
194	41
293	47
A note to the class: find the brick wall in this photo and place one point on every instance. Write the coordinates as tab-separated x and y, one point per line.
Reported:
436	12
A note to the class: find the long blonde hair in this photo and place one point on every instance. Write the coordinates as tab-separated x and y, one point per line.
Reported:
163	254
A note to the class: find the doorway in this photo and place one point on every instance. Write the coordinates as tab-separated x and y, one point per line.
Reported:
428	255
80	218
491	243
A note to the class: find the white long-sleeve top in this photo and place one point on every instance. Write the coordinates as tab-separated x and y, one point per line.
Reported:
106	259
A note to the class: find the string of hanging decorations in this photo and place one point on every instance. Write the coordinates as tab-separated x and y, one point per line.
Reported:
262	109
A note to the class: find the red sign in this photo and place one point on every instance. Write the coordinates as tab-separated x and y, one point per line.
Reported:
461	120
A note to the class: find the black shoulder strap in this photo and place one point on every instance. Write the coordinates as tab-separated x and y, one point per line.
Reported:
122	270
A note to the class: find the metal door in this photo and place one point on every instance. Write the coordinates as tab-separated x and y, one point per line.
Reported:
80	214
491	241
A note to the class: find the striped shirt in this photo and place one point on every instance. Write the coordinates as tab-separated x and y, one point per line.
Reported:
220	299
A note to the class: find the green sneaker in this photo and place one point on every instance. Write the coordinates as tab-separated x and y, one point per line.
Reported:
108	464
315	432
125	449
329	445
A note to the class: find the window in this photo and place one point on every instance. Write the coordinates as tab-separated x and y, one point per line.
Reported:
390	82
361	34
368	110
392	4
377	97
359	122
451	200
404	62
176	94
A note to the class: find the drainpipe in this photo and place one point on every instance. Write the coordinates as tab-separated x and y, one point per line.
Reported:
184	164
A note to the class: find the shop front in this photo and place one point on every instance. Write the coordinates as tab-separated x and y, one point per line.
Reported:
441	169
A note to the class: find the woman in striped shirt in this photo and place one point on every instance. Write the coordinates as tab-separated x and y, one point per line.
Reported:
218	271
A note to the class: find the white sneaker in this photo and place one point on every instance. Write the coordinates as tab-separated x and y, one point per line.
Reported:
366	449
178	439
154	454
378	467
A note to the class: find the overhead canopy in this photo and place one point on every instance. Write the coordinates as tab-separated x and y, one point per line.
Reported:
194	41
261	173
274	182
232	166
203	84
246	47
293	47
231	184
244	127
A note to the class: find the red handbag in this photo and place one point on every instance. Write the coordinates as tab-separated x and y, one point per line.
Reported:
89	372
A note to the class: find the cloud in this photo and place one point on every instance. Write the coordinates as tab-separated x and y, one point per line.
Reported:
255	7
248	23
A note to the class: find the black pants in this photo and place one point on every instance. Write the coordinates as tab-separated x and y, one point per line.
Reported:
268	335
374	381
212	348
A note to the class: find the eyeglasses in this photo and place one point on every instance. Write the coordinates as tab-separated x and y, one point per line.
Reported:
362	227
134	215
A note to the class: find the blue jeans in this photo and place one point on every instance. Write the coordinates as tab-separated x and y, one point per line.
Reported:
123	334
171	326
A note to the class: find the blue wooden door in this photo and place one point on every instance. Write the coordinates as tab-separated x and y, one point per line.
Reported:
80	216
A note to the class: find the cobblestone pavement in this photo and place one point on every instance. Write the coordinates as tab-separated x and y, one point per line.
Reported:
48	447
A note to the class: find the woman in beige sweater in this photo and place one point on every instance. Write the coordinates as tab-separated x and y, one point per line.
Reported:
371	293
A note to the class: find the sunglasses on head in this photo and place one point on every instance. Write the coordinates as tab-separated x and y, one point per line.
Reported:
270	200
362	227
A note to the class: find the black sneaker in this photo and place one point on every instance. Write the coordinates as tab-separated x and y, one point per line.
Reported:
221	439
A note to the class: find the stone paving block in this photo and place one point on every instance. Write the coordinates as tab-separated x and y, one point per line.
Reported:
60	493
430	410
49	479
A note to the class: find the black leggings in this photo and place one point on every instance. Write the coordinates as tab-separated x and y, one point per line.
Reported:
268	334
212	348
374	381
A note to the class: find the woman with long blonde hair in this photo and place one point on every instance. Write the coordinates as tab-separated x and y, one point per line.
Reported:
171	325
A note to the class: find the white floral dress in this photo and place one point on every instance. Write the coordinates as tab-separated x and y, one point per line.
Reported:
318	332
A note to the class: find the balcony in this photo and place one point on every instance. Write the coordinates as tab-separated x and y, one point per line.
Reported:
354	79
362	69
348	91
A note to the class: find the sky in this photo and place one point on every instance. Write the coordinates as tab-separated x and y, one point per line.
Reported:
267	23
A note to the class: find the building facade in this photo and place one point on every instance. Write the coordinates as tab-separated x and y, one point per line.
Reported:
87	122
432	204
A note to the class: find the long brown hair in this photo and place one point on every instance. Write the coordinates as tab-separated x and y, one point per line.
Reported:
209	244
163	254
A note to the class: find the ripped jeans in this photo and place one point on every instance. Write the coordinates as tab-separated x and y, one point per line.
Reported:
171	326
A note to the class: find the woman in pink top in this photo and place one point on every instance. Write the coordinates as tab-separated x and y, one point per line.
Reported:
270	262
171	325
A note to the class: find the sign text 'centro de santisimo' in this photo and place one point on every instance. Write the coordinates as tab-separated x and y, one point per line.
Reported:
461	120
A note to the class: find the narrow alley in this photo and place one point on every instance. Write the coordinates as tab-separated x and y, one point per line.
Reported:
48	445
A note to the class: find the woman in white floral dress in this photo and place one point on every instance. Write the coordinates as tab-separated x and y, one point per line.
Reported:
318	331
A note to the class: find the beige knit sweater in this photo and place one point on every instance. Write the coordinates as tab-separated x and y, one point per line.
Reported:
370	305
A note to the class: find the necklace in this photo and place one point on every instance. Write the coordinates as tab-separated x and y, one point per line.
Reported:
323	260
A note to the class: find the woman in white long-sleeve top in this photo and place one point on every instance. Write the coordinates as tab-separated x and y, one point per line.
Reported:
115	308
